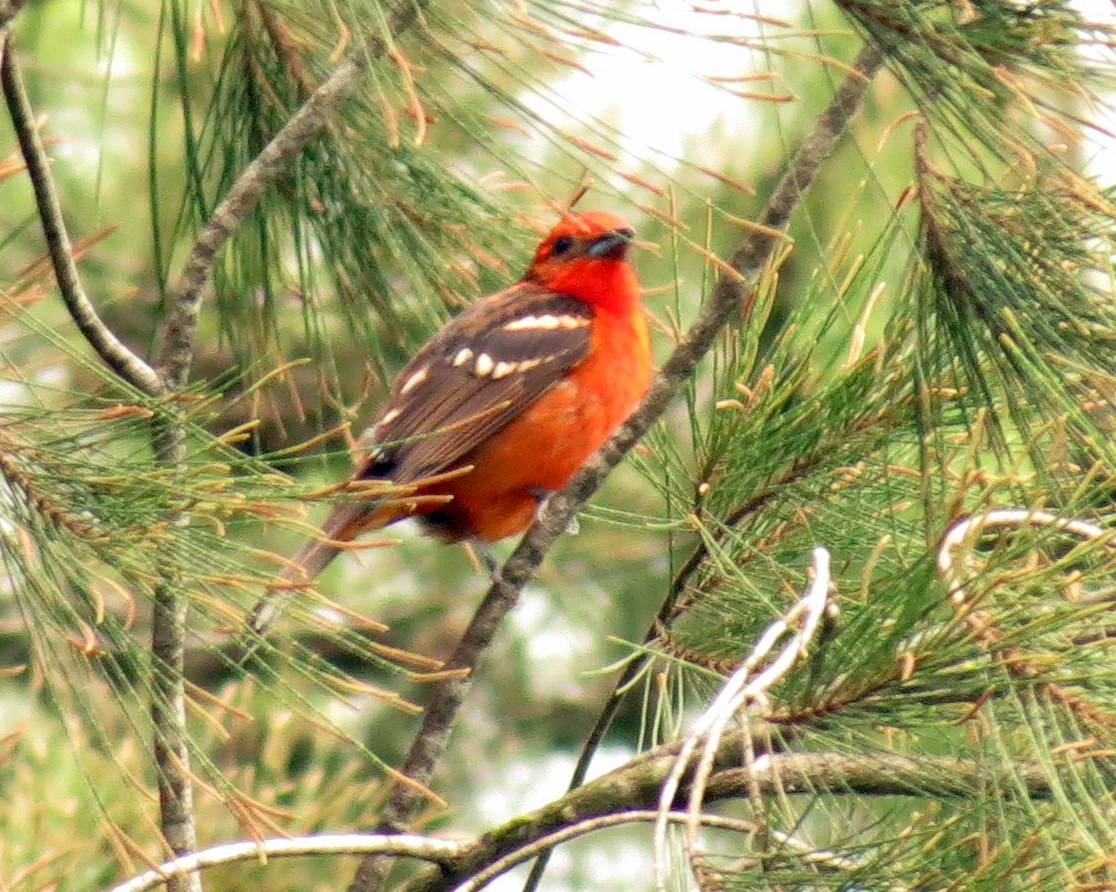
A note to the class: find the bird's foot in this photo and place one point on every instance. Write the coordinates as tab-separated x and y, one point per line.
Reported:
543	496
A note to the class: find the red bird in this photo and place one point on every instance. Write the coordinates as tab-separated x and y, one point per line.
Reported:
515	393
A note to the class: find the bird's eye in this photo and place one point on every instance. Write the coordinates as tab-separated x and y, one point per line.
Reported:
561	245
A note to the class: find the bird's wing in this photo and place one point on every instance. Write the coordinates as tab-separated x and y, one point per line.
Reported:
477	374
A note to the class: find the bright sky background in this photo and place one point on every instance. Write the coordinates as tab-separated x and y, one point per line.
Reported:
661	104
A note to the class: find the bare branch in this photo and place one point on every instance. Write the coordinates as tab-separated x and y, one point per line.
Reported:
110	348
545	843
169	611
169	616
422	847
168	633
168	707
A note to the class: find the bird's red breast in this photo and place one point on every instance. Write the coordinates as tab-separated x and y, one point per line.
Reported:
523	386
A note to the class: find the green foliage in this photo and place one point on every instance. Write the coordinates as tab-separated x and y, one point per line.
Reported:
932	340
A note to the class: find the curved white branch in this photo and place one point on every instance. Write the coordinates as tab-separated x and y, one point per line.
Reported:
740	689
961	532
409	845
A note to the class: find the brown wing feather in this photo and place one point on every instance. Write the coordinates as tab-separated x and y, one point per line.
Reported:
474	377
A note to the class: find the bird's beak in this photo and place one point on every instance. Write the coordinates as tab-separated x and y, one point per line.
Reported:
613	245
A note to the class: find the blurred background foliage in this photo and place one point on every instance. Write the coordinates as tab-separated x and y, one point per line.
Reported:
938	341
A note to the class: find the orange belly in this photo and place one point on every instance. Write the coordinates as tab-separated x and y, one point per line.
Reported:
539	451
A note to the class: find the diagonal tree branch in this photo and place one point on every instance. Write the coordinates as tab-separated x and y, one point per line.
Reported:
113	351
177	352
728	297
184	307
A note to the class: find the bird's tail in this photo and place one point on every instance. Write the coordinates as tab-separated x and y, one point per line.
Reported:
344	523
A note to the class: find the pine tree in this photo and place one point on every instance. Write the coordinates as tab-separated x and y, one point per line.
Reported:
848	577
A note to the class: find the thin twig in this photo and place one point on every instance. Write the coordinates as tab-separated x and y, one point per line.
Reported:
808	853
265	170
982	622
110	348
184	307
545	843
961	532
422	847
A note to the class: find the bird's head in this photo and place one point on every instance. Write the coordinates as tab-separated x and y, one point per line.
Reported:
585	256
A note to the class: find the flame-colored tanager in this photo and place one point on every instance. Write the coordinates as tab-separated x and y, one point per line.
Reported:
520	388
